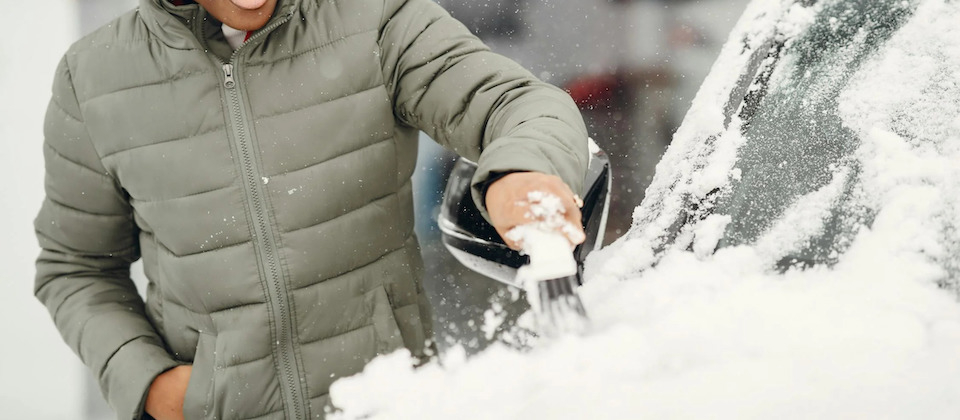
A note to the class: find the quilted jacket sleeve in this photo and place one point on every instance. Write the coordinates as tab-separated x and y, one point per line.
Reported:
88	240
483	106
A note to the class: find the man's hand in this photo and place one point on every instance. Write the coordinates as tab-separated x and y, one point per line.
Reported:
165	397
509	202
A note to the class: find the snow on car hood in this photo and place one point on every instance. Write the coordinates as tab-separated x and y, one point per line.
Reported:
691	333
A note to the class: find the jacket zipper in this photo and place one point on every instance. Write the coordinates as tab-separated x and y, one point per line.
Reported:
264	241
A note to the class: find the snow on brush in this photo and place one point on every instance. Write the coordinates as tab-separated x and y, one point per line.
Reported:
702	335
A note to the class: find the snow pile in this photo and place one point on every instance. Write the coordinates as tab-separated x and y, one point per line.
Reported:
696	334
703	340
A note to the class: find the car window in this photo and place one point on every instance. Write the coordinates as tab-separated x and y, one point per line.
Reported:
796	146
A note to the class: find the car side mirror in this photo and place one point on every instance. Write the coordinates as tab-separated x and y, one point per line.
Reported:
476	244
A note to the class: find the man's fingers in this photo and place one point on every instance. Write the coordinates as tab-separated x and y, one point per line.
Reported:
568	222
514	245
573	229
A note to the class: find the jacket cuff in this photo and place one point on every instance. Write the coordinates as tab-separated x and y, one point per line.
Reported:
127	377
482	186
497	162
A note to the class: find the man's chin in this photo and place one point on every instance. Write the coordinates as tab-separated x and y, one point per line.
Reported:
248	24
247	15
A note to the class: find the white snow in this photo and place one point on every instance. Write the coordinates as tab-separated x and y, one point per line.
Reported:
493	318
723	336
548	211
803	219
709	233
703	340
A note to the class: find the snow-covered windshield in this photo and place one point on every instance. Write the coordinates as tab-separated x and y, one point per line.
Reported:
816	166
796	142
795	170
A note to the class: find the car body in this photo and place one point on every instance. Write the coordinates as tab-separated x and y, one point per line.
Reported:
796	256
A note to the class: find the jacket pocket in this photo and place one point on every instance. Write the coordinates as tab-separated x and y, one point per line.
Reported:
387	332
196	403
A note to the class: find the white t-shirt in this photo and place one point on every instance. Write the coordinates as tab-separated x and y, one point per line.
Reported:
235	37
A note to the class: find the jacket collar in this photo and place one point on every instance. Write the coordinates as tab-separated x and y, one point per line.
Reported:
174	25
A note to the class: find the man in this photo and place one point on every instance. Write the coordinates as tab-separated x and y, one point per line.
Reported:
263	178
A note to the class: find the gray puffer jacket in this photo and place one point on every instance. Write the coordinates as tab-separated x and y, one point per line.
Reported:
267	191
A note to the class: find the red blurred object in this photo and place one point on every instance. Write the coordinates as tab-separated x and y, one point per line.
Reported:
594	90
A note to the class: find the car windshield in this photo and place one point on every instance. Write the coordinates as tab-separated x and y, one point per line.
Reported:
844	114
797	145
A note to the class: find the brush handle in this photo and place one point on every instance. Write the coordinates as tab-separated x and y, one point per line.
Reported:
550	255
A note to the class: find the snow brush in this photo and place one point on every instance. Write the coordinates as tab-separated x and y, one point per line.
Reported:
550	280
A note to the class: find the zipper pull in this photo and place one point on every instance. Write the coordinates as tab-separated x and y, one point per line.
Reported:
228	81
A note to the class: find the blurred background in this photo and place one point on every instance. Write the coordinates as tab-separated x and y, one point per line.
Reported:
633	66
